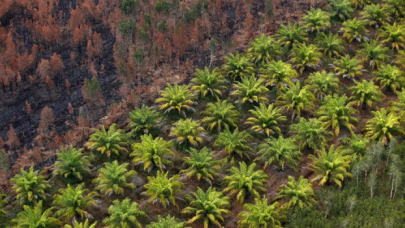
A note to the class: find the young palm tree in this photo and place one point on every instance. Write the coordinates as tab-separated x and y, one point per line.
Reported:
208	83
400	59
393	34
336	111
391	77
340	9
113	178
238	66
260	214
372	53
152	152
360	3
278	74
176	99
296	99
282	151
348	67
71	164
220	115
163	189
143	121
209	206
354	29
124	214
29	186
71	203
304	56
168	222
365	93
291	35
375	15
266	119
245	181
331	167
250	90
396	8
201	164
36	218
310	133
234	143
316	20
86	224
298	192
111	141
323	83
357	143
331	45
383	126
187	133
399	105
263	49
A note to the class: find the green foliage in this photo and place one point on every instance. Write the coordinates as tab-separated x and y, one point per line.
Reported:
191	15
391	77
400	59
127	26
348	67
111	141
305	56
92	87
176	98
143	121
71	164
260	214
356	143
310	133
331	45
291	35
234	143
265	120
396	8
237	67
220	115
36	218
2	204
124	214
263	49
187	133
372	53
201	164
354	29
4	161
250	90
128	6
278	74
316	20
86	224
298	192
162	6
399	105
365	93
168	222
393	34
162	189
340	9
208	83
323	83
374	15
360	3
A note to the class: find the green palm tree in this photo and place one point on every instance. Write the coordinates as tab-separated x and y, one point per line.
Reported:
209	206
393	34
263	49
356	143
348	67
152	152
143	121
3	202
176	99
187	133
365	93
124	214
391	77
310	133
299	193
372	53
336	111
168	222
375	15
234	143
396	8
86	224
113	178
354	30
316	20
163	189
282	151
305	56
245	181
278	74
72	164
291	35
238	66
296	99
29	186
111	141
250	90
323	83
36	218
72	202
398	106
360	3
331	45
208	83
266	119
340	9
260	214
201	164
400	59
383	126
220	115
331	166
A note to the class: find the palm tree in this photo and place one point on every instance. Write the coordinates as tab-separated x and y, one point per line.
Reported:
245	181
336	111
152	152
220	115
238	66
316	20
323	83
298	192
348	67
400	59
201	164
234	143
143	121
29	186
36	218
360	3
263	49
71	202
163	189
282	151
354	29
260	214
365	93
291	35
357	143
391	77
393	34
71	164
399	105
331	45
176	99
208	83
86	224
310	133
250	90
3	202
383	125
266	119
187	133
111	141
124	214
168	222
278	74
304	56
372	53
374	15
209	206
296	99
113	178
396	8
340	9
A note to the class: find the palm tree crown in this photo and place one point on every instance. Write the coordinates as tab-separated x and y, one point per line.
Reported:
266	119
348	67
374	15
234	143
323	83
304	56
111	141
71	164
176	98
163	189
396	8
143	120
354	29
36	218
310	133
86	224
260	214
372	53
187	133
331	45
238	66
291	35
340	9
393	34
168	222
365	93
208	83
278	74
390	77
316	20
263	49
250	90
124	214
298	192
220	115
